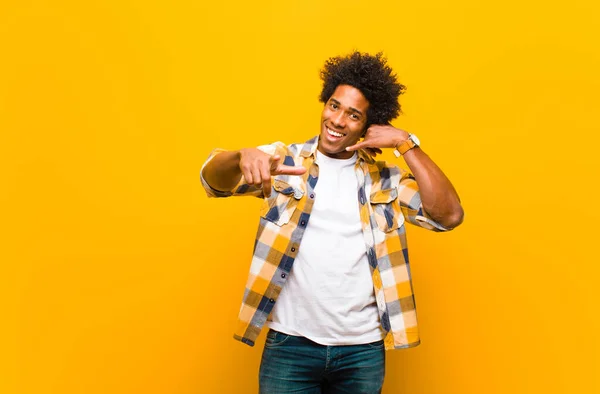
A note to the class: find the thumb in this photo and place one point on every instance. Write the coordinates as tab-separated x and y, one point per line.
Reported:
357	146
274	162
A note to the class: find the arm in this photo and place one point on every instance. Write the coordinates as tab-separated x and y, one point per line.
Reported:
223	171
250	166
439	198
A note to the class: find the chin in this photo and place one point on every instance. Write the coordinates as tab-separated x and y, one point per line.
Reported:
326	148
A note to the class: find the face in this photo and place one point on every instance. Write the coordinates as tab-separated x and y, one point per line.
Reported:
343	121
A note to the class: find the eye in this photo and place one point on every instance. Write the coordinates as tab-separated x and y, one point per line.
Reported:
333	105
354	116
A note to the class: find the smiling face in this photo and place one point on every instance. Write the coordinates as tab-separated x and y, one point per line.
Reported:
343	121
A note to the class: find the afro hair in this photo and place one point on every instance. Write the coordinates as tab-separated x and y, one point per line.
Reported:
369	74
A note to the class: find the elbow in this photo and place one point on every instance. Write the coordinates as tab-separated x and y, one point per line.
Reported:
449	218
454	219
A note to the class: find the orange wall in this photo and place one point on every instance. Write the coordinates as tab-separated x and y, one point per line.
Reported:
119	276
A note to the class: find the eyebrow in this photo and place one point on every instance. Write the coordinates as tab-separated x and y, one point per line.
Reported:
350	108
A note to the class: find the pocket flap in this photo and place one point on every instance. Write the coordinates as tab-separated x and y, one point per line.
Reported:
285	188
384	196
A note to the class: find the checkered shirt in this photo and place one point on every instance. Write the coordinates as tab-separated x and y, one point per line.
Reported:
387	195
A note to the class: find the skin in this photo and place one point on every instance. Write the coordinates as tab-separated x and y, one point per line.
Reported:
343	123
345	114
225	170
439	197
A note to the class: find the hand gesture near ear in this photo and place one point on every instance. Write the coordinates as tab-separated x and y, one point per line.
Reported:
378	137
258	167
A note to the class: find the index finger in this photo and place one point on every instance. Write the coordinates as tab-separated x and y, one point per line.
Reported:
289	170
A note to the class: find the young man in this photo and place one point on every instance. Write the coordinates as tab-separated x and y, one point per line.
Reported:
330	275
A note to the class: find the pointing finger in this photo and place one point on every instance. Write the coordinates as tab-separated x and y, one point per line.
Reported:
289	170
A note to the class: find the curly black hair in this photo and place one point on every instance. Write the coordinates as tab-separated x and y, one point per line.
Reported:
369	74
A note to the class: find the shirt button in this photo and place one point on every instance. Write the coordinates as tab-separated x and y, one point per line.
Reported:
293	249
271	300
312	195
302	223
283	275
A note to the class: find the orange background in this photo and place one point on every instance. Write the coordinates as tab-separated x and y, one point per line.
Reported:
119	276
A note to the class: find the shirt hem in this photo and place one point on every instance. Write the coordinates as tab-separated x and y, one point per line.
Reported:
246	341
324	341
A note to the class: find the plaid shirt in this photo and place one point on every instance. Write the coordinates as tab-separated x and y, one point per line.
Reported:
387	195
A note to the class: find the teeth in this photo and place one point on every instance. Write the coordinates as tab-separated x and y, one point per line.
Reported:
333	133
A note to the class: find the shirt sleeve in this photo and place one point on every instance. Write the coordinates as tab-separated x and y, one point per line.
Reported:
242	188
411	205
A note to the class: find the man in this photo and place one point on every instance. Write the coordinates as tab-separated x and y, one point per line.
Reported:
330	275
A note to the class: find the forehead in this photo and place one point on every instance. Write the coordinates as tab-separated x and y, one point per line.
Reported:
350	97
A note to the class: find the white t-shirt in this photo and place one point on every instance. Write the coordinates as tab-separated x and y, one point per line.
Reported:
328	297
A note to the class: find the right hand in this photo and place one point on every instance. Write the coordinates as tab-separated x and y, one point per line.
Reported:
258	167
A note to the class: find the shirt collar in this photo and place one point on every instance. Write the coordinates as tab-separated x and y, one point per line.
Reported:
310	146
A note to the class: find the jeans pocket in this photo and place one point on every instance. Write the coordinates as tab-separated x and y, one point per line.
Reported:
275	338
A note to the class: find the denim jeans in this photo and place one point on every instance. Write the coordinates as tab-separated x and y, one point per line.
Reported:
292	364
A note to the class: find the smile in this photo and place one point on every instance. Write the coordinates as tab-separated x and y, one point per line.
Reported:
334	133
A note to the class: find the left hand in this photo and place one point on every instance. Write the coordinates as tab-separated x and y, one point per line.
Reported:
378	137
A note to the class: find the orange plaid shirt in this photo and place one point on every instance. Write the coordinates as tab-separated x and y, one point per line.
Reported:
387	195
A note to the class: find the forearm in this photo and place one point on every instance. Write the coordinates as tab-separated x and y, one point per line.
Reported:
223	171
439	198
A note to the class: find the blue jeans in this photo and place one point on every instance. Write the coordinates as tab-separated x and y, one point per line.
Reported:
292	364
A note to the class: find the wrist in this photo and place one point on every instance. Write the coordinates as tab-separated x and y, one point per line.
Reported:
399	141
406	145
399	138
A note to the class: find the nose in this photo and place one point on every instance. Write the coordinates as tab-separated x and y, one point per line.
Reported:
338	120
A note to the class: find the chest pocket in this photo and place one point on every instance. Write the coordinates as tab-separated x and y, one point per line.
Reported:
282	202
386	209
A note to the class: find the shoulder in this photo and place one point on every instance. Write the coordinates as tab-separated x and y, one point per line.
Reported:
289	154
282	148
